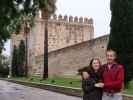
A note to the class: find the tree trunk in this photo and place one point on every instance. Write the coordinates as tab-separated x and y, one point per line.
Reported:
45	73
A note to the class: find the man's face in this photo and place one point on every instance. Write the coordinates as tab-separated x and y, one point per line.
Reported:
110	56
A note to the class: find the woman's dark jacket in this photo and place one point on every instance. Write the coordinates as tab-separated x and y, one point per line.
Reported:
89	91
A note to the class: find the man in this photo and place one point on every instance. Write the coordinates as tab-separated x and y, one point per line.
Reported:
113	78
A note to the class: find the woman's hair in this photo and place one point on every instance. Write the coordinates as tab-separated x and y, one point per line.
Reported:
90	67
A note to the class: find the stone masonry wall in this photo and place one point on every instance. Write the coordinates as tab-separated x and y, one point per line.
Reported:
68	60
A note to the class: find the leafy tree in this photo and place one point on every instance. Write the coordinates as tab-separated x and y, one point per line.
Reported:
121	34
14	12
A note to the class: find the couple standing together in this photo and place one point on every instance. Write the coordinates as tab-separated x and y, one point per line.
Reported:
103	82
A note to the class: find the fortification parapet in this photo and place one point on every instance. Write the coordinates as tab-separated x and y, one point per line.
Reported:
71	19
76	19
60	18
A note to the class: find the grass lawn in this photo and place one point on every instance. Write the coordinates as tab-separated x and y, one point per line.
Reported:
129	91
67	82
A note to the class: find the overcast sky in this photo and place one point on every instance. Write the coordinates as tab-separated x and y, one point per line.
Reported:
99	10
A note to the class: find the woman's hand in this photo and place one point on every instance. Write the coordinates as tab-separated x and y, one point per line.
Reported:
100	85
85	75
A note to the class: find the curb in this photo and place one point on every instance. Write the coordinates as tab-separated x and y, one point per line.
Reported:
60	89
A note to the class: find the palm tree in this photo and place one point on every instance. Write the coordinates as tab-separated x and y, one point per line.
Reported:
47	7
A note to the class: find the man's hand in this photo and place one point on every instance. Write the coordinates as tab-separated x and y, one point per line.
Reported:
100	85
85	75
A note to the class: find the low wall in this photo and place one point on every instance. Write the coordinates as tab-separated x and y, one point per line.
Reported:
68	60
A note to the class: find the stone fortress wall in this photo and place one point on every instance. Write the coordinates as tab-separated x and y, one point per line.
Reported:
71	44
63	31
66	61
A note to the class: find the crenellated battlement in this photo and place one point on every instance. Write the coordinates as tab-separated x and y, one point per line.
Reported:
68	19
71	19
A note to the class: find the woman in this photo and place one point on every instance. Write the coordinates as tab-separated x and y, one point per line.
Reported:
90	78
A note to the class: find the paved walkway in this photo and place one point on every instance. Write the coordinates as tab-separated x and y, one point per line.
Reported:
11	91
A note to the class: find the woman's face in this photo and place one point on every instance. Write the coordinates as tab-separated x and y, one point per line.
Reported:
96	64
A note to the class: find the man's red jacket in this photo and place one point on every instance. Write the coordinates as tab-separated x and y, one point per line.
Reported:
113	78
